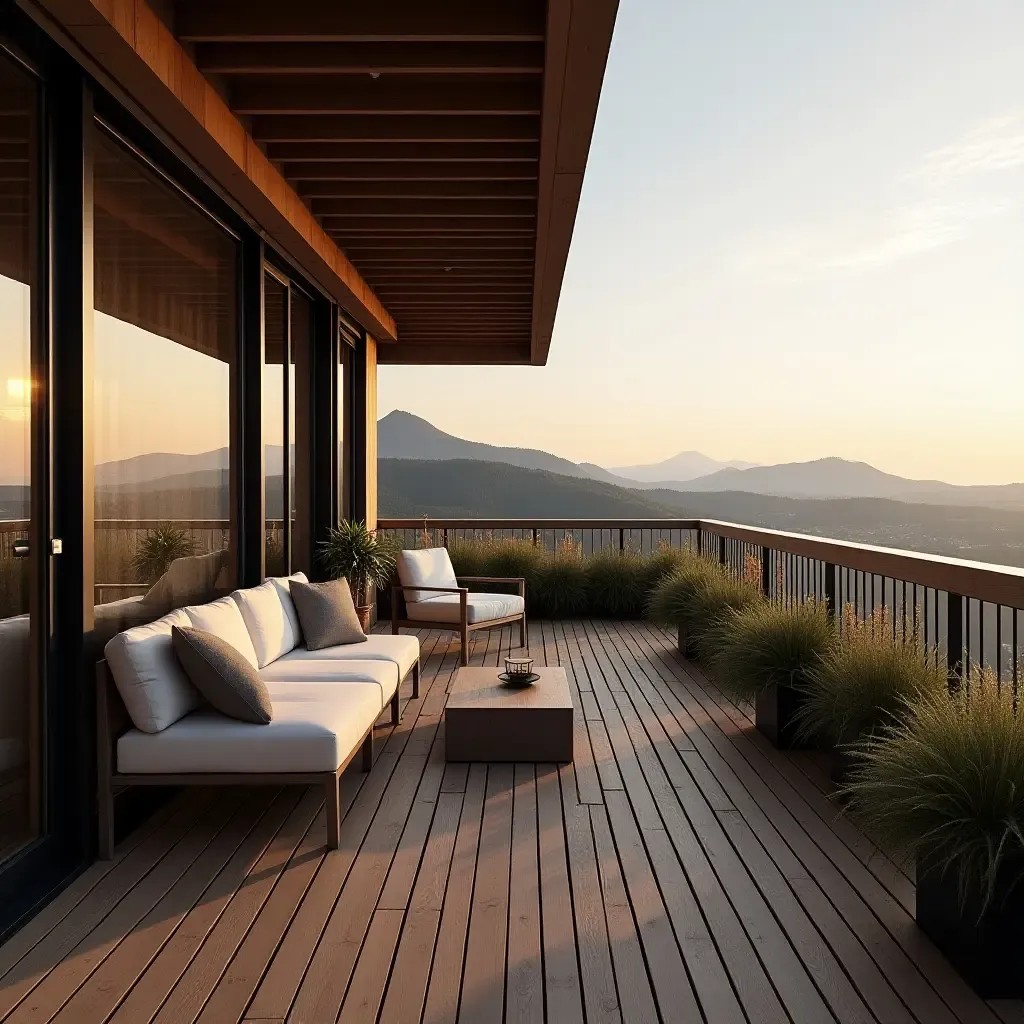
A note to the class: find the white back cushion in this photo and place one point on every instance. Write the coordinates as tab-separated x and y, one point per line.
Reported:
224	619
425	566
270	618
152	683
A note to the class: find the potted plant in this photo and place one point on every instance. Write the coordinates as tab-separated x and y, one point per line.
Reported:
763	654
356	553
670	600
867	680
945	786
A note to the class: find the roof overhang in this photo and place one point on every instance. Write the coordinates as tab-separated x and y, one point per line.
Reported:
422	162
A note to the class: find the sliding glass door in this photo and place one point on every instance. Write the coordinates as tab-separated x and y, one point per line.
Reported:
21	401
287	385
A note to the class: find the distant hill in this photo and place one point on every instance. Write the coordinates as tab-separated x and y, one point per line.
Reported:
410	488
681	467
470	489
401	435
839	478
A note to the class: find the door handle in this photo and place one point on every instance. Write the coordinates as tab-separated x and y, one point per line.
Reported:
21	549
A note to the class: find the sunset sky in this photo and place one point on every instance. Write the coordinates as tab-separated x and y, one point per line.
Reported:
801	235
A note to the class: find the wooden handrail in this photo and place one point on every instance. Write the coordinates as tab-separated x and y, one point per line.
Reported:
984	581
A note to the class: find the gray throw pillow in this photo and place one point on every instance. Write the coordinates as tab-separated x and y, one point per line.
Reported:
222	675
327	614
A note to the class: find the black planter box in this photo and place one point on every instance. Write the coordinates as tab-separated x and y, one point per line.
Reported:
987	953
843	762
687	648
775	715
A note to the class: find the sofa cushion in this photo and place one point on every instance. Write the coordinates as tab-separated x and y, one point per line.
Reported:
479	608
222	675
153	685
425	566
327	614
270	618
402	649
294	668
315	728
223	618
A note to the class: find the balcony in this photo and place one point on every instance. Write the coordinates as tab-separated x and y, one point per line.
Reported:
681	869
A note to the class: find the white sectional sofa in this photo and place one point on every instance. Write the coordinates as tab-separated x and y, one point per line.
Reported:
155	730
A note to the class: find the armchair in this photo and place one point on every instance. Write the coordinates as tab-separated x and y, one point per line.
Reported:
428	594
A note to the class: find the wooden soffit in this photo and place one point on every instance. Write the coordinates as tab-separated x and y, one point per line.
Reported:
440	145
136	51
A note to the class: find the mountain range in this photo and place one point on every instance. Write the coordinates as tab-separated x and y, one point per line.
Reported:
401	435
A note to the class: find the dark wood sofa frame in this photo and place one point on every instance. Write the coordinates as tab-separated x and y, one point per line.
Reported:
113	721
400	618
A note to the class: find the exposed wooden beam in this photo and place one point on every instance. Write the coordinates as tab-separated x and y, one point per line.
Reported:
449	353
395	154
377	58
449	257
356	128
403	191
391	21
403	208
331	94
338	224
448	170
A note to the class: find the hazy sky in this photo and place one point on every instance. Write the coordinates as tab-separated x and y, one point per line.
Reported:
801	234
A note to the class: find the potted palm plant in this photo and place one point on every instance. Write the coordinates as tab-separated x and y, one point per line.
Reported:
354	552
944	785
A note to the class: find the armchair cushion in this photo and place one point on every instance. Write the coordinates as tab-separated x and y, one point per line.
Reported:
479	608
425	567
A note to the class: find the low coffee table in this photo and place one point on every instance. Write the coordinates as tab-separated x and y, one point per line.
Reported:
486	720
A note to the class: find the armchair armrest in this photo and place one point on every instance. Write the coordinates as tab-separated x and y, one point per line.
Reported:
520	581
433	590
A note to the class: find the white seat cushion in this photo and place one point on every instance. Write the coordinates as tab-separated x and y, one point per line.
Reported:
425	566
315	727
479	608
151	681
223	618
295	668
270	617
403	650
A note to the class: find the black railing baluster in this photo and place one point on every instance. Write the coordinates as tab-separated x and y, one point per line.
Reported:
955	639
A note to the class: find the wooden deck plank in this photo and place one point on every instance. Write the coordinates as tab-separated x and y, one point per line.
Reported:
100	901
483	977
880	924
148	994
323	989
596	970
524	996
99	997
444	987
680	869
561	969
60	984
635	995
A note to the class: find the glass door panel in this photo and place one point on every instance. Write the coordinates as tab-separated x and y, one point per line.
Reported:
20	809
275	335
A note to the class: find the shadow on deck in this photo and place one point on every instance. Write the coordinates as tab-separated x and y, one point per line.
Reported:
681	870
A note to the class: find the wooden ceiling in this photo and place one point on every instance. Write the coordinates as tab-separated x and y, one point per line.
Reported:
440	143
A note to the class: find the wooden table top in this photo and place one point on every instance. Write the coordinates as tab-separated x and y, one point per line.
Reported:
481	688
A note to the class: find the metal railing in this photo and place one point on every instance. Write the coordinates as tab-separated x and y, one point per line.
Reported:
970	613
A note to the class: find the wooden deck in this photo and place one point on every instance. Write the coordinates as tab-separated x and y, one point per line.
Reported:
681	870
